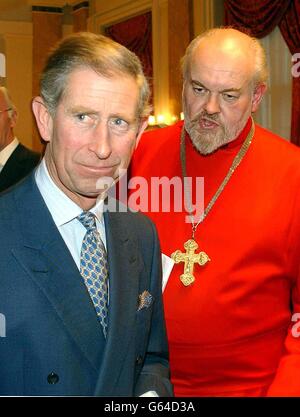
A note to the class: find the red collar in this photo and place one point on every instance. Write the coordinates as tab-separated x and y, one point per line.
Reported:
241	137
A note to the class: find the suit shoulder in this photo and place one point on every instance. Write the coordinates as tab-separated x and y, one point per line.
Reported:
27	153
6	200
7	211
9	197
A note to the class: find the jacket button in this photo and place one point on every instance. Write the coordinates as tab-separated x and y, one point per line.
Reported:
52	378
139	360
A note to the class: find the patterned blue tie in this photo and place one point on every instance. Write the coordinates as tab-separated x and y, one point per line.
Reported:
93	267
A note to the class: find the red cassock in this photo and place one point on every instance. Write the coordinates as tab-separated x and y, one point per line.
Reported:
231	332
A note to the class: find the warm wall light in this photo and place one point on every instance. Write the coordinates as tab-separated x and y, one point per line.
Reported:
181	116
164	119
151	120
160	119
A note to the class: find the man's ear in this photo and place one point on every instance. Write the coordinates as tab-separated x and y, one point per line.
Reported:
13	117
259	92
43	118
142	127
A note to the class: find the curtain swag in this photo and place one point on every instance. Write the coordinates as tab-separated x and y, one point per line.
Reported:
259	18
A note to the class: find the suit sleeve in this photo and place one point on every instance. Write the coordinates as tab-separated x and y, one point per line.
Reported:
154	375
287	379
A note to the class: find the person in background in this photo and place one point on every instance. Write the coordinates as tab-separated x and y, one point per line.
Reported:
16	161
80	282
232	300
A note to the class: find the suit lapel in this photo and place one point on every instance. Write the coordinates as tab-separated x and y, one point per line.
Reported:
50	265
47	261
124	266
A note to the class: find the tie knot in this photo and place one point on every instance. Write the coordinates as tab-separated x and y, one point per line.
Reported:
88	220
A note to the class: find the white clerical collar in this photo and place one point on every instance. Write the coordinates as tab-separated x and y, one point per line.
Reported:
7	151
61	207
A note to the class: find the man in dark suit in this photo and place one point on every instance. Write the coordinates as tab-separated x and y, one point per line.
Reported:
16	161
80	284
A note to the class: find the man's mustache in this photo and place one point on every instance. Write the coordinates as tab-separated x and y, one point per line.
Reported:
206	116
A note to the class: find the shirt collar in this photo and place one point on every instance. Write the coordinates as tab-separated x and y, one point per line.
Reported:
7	151
61	207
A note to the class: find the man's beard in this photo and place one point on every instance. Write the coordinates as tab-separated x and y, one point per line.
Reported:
207	141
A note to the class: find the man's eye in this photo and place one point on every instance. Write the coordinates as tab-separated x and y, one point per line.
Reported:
119	124
81	116
86	119
229	97
199	90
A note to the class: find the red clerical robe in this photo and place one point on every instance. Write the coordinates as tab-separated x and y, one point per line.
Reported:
234	331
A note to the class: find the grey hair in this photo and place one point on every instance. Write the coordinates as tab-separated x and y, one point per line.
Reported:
88	50
260	61
8	100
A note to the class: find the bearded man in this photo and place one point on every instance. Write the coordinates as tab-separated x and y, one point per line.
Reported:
233	295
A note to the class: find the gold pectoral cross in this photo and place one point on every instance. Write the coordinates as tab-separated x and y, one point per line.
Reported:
189	258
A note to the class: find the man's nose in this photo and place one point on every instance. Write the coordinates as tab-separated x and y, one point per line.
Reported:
212	105
101	141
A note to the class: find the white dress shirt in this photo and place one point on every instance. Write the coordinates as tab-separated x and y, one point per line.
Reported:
7	151
64	212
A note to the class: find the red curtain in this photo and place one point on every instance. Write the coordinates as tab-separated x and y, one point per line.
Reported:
290	29
259	18
136	34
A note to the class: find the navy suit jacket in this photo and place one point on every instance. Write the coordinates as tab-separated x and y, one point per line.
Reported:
52	343
20	163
